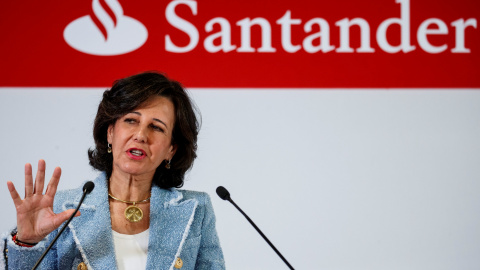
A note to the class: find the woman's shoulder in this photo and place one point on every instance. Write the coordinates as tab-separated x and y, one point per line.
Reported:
192	193
200	196
99	181
75	194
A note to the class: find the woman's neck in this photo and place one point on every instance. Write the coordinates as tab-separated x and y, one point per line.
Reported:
130	187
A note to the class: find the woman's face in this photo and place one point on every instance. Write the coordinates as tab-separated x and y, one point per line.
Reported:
142	139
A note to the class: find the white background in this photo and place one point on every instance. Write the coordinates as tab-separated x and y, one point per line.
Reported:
337	179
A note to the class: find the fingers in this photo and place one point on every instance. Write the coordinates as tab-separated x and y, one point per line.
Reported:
17	200
53	184
28	180
63	216
31	189
40	178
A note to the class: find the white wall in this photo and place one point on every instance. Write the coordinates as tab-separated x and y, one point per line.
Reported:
337	179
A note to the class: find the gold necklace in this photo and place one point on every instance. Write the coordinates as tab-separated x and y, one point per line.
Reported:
132	213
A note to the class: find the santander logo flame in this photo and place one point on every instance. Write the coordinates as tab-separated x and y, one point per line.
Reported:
108	33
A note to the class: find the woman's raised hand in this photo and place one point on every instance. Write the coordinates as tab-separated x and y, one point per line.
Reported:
35	216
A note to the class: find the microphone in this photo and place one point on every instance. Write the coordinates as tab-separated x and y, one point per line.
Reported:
225	195
87	188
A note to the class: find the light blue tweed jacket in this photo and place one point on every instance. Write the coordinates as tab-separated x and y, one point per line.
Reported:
182	225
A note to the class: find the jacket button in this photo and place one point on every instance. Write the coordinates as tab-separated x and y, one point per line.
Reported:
178	263
82	266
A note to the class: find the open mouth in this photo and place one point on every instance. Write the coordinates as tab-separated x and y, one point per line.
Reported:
136	153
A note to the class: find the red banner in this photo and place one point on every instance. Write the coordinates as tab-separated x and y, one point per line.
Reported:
317	44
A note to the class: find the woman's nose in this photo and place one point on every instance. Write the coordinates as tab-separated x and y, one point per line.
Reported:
141	135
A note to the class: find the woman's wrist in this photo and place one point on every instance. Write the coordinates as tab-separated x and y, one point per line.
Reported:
21	243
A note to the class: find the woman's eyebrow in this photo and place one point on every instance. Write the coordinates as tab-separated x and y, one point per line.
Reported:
160	121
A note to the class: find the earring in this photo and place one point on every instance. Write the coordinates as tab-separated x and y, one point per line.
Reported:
109	148
167	164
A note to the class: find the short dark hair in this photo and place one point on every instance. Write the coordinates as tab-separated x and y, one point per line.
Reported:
128	94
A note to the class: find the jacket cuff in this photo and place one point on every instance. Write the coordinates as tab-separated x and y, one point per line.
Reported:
18	257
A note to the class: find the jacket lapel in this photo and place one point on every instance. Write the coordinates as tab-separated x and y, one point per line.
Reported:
92	231
170	220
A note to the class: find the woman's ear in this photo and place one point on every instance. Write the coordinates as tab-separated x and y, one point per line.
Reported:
173	150
110	134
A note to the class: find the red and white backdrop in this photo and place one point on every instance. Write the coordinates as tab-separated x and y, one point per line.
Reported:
348	130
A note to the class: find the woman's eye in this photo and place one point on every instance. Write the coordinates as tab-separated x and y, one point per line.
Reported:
130	120
157	128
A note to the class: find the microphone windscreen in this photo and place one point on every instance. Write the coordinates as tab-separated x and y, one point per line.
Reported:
88	187
223	193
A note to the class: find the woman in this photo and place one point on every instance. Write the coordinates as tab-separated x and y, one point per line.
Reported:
145	136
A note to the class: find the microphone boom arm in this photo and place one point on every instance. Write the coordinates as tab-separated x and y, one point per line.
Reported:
223	193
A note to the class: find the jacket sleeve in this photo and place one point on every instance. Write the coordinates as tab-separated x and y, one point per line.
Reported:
18	257
210	255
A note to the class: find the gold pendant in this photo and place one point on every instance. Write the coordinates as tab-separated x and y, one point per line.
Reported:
133	213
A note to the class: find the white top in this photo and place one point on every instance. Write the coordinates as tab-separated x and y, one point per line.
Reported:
131	250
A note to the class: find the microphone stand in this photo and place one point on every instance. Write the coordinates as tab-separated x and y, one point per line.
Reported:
225	195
